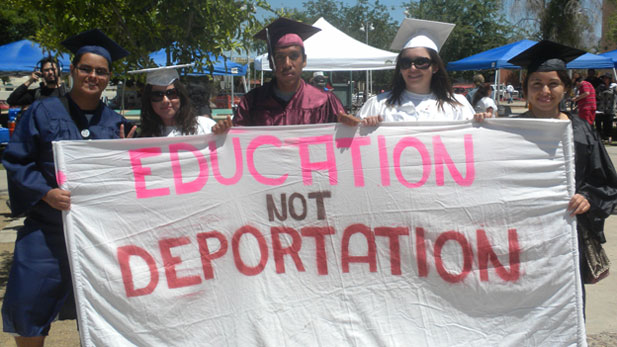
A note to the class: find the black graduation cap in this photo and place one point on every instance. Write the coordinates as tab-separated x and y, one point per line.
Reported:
285	32
546	56
95	41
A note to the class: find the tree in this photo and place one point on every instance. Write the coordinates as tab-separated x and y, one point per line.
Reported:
563	21
480	25
610	34
188	29
16	24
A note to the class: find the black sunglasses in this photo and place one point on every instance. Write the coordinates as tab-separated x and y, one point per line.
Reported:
420	63
157	96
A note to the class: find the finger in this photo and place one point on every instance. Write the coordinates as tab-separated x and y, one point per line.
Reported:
132	132
121	131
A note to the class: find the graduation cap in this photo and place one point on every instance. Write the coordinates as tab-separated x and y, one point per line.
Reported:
285	32
546	56
161	76
421	33
95	41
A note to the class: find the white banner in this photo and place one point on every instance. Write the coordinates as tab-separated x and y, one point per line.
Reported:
434	234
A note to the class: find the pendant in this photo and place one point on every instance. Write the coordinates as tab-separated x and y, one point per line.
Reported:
85	133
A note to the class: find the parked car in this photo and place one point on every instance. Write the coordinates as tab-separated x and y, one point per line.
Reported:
462	88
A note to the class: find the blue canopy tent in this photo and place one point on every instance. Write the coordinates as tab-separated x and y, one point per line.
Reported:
221	67
612	55
495	58
22	57
591	61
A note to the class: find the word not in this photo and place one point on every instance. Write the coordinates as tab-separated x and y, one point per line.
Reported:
404	148
321	237
281	213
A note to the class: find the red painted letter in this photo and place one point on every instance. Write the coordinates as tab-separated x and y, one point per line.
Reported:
395	247
204	251
170	262
370	258
467	256
263	250
320	246
292	250
486	254
124	254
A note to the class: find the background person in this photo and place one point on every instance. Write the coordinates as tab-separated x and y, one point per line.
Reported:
607	106
544	86
585	100
478	79
482	102
421	89
39	288
510	91
287	99
166	107
50	86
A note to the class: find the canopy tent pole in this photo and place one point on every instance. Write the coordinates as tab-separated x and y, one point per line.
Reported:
123	88
496	86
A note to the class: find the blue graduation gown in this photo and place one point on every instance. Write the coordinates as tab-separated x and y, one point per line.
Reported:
40	282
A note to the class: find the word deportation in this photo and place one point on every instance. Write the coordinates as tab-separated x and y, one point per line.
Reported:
322	236
397	157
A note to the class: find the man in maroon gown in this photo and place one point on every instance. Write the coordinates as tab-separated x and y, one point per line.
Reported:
287	99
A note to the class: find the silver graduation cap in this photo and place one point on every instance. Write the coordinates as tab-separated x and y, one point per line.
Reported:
161	76
421	33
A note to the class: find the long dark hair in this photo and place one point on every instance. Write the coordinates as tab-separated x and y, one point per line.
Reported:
484	89
185	119
440	83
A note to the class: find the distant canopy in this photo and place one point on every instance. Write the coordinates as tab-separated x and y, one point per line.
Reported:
22	57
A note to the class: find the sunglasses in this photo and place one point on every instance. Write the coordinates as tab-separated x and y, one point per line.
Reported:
87	70
420	63
171	94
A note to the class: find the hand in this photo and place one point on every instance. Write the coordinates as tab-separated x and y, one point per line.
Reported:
348	119
33	78
578	204
58	198
479	117
222	126
372	121
130	134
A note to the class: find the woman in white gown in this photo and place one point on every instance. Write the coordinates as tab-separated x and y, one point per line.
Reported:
421	89
166	108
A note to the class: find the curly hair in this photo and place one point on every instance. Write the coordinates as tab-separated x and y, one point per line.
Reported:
440	83
151	123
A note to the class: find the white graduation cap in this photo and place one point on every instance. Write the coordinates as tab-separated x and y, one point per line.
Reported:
161	76
421	33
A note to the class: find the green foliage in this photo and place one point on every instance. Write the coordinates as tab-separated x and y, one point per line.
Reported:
563	21
15	23
480	25
187	29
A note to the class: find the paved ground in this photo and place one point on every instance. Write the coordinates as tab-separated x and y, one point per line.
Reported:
601	298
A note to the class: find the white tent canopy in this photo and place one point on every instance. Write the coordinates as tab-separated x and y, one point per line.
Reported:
333	50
